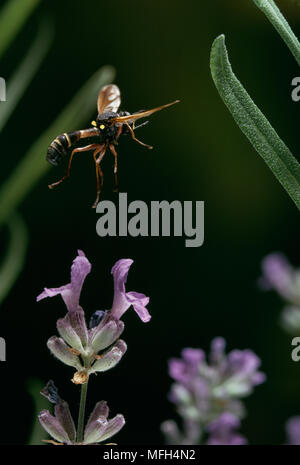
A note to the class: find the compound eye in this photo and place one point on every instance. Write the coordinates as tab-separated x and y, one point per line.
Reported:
102	126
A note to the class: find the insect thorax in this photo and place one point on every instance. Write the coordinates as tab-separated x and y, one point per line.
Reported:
108	131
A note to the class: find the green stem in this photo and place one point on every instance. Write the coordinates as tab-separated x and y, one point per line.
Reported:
274	15
81	415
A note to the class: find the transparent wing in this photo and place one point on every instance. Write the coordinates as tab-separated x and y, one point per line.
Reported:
109	99
141	114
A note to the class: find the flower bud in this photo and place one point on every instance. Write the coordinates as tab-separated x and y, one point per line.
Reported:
53	427
61	351
110	358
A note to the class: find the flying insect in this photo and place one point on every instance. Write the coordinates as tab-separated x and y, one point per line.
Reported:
103	135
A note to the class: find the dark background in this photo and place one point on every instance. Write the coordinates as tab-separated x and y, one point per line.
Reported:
160	50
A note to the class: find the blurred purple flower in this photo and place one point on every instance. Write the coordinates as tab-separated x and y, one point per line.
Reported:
205	389
278	274
293	431
222	431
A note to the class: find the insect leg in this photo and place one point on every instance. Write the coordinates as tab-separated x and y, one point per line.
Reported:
119	132
114	152
79	149
98	171
134	138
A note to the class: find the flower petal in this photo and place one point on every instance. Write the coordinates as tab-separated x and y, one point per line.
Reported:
53	427
113	427
110	358
68	333
63	415
120	272
71	292
100	410
122	300
61	351
139	302
93	433
77	321
104	336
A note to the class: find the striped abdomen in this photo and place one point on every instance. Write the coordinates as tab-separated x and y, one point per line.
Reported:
62	145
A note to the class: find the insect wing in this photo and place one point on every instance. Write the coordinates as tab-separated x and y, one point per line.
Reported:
141	114
109	99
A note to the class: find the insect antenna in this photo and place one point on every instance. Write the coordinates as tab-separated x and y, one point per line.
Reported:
140	125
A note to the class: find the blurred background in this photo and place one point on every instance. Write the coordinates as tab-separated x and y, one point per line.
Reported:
160	51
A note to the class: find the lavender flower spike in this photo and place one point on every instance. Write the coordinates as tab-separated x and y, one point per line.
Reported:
206	388
71	292
122	299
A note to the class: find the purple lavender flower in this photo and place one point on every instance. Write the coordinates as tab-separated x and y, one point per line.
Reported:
89	350
62	428
222	431
204	390
278	274
81	267
293	431
79	346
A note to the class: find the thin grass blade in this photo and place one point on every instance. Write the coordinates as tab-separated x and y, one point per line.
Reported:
18	84
13	15
15	255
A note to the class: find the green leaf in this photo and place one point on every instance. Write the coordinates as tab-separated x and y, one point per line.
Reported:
253	123
12	17
24	74
271	10
14	259
33	165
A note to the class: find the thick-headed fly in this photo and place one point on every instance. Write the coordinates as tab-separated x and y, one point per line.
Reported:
104	133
